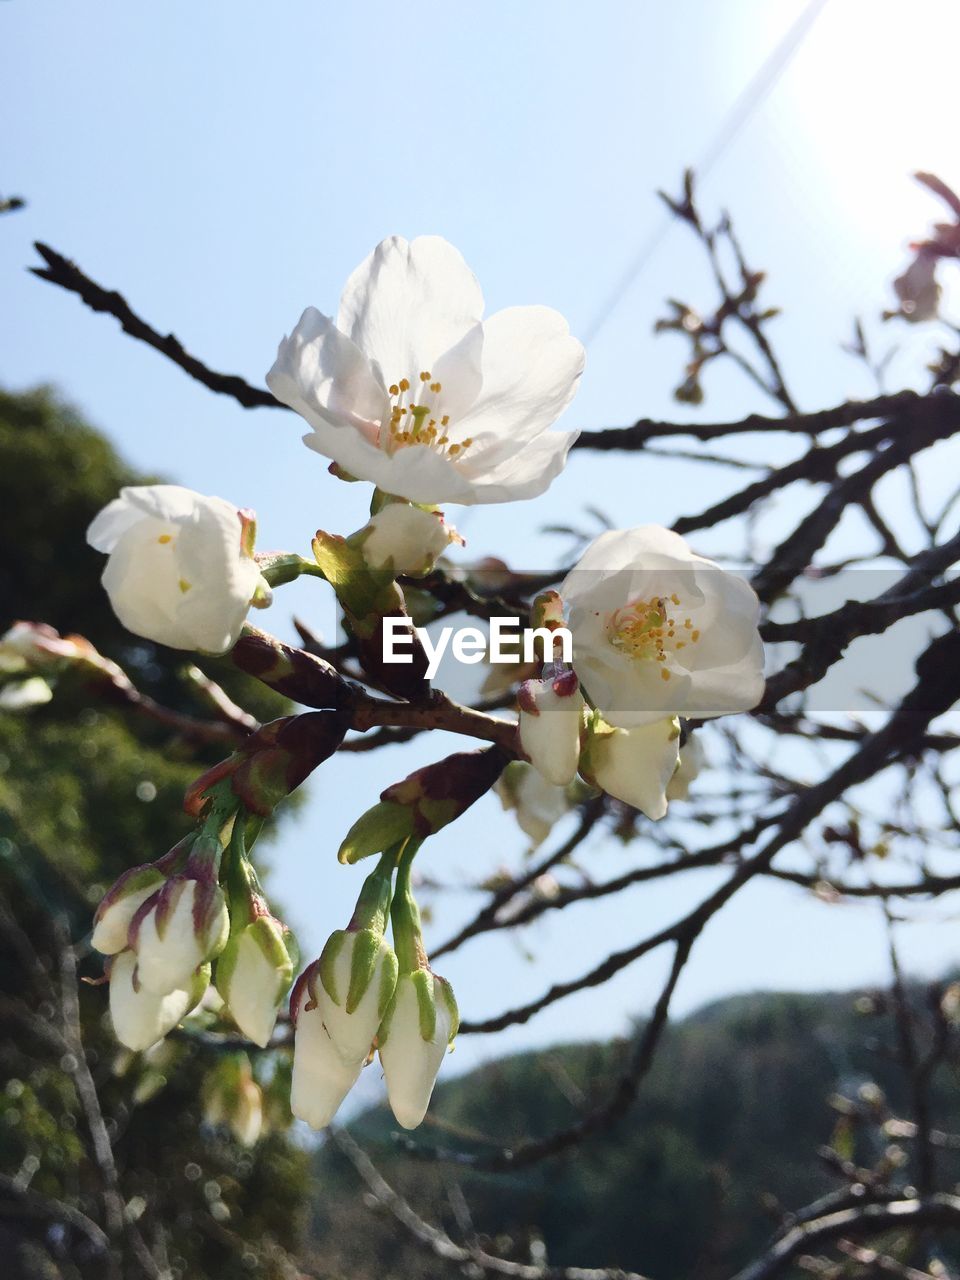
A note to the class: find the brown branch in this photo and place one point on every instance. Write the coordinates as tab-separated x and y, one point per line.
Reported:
868	1220
61	271
440	1244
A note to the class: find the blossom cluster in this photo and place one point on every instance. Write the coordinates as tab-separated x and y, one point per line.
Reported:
410	389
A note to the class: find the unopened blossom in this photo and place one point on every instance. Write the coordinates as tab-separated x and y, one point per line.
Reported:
551	717
184	925
231	1097
34	646
418	1028
114	916
537	804
338	1006
410	389
140	1017
692	760
633	765
254	972
22	694
322	1078
181	569
659	631
405	539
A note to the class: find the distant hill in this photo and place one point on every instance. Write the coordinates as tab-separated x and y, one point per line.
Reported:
727	1127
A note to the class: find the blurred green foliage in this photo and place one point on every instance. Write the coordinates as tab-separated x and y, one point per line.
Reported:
87	790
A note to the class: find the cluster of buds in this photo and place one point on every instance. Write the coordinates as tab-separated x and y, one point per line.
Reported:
169	926
198	913
363	996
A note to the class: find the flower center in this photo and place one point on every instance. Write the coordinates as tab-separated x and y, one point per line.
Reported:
414	418
648	631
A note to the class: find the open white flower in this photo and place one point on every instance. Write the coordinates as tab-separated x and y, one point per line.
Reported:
411	390
418	1028
633	765
140	1017
181	569
659	631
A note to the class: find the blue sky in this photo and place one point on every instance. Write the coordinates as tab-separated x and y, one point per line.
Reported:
226	164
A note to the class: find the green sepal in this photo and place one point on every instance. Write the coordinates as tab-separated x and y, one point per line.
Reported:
366	594
446	992
423	985
382	827
285	566
368	948
328	958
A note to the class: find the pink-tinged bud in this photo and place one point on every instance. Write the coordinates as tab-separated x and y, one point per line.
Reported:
38	647
418	1028
119	906
426	800
184	926
551	719
273	761
140	1018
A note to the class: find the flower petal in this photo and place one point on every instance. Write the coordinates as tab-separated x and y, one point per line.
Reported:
408	303
524	474
322	375
531	366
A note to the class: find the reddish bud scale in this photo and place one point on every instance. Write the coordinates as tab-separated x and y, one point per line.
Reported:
406	680
454	784
274	760
298	675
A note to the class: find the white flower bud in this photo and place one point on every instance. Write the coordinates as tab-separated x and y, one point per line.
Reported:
187	925
232	1097
119	906
356	976
417	1029
406	539
140	1018
253	975
35	645
633	765
181	569
321	1077
551	716
32	692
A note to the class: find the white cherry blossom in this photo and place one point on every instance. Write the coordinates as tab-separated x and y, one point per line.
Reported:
410	389
181	569
659	631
